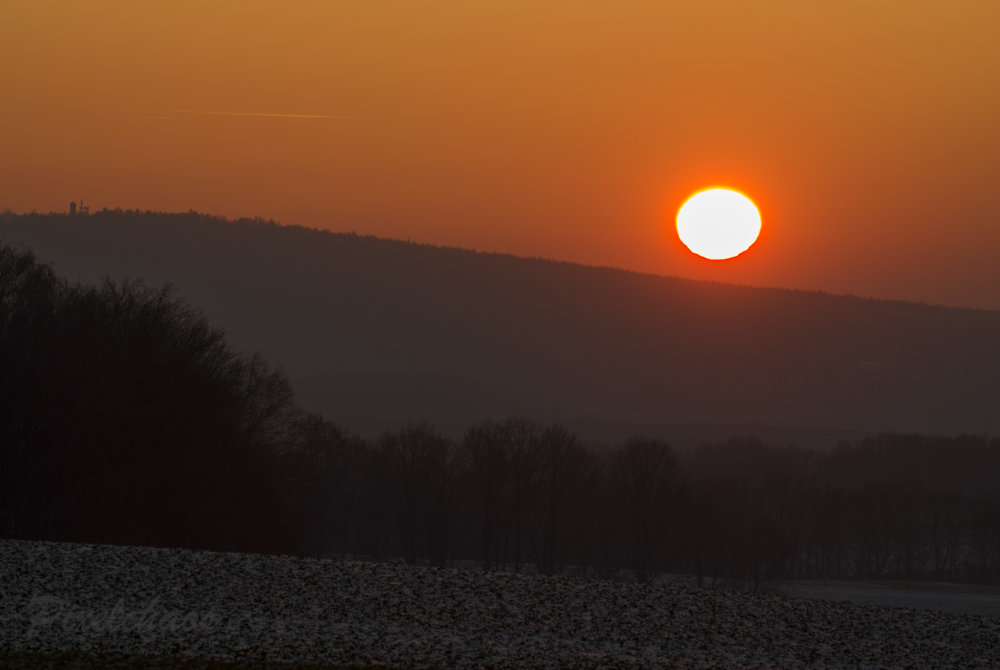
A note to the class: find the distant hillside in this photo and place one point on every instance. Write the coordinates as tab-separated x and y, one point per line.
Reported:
377	332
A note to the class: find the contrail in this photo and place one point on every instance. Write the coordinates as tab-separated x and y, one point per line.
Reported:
259	114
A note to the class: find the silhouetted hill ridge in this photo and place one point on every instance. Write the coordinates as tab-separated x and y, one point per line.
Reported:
380	331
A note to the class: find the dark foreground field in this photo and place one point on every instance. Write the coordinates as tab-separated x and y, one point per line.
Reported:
66	605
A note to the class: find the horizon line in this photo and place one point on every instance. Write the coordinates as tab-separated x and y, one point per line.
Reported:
472	249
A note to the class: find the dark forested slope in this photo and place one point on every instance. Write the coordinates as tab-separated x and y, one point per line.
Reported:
376	332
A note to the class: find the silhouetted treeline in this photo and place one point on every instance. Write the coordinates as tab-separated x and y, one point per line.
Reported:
126	418
517	495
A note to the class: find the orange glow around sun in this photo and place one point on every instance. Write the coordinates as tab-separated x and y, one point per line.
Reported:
718	223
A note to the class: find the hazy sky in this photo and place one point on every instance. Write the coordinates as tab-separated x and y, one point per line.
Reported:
866	132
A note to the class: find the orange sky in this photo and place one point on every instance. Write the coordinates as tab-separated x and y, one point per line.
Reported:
866	132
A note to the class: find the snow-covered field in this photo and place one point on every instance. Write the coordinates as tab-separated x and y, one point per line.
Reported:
104	599
915	595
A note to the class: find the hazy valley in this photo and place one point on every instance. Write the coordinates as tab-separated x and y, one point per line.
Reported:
375	333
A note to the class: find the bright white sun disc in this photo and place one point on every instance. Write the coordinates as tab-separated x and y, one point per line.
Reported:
718	223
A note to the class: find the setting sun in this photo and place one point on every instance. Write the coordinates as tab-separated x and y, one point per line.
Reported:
718	223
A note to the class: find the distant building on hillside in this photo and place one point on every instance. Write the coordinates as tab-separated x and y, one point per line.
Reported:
82	210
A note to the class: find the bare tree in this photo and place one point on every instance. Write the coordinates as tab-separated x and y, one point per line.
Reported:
646	479
561	473
488	475
419	474
521	437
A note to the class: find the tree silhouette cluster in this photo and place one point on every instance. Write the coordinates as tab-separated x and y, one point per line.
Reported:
516	495
126	418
